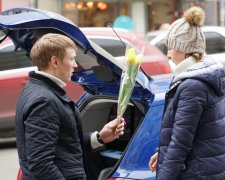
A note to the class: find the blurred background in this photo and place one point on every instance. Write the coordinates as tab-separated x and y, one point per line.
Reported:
148	17
139	15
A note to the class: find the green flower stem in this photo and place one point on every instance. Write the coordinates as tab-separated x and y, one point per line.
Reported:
126	88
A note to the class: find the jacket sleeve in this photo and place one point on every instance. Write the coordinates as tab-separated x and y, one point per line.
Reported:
87	141
191	103
86	135
41	135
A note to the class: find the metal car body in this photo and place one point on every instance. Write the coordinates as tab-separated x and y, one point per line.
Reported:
15	65
115	41
215	42
99	73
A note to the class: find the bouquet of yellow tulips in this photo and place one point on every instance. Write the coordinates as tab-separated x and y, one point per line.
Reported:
131	69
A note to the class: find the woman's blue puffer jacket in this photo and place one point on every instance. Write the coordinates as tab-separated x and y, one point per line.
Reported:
192	141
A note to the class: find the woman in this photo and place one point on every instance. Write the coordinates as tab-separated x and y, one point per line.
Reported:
192	141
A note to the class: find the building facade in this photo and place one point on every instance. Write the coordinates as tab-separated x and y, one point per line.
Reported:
7	4
146	15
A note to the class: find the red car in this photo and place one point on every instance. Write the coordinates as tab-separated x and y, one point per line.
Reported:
15	65
154	62
14	68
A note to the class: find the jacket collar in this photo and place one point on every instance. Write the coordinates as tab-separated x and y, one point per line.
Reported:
207	66
53	78
190	61
51	85
173	86
208	71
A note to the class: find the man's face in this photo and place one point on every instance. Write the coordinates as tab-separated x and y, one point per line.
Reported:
67	65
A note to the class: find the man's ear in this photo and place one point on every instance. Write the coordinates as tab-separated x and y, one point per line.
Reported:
54	62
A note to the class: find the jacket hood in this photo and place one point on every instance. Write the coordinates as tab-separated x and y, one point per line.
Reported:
208	71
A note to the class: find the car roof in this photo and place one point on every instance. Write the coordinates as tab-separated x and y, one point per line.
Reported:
137	39
112	32
218	29
152	34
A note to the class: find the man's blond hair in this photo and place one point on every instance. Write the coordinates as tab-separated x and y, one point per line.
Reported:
48	46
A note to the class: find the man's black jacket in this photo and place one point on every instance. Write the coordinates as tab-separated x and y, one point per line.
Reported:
49	135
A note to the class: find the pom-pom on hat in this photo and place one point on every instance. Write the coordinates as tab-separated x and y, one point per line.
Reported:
185	34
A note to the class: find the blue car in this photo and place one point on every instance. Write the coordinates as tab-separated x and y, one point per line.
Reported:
99	74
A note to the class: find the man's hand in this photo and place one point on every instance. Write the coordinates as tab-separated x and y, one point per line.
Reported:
111	131
153	162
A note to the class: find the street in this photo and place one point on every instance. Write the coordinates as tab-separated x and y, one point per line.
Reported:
8	162
143	80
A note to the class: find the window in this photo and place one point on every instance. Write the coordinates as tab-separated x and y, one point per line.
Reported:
11	59
162	47
93	13
215	43
2	35
112	46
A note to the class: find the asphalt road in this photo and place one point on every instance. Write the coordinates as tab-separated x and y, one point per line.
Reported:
8	162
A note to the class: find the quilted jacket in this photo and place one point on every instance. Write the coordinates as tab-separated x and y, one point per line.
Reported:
49	136
192	141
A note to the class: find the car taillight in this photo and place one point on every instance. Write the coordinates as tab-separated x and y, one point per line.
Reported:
119	179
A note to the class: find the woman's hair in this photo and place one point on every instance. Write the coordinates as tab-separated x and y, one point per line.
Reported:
197	56
48	46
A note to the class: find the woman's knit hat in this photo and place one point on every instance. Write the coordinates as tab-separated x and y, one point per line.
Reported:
185	34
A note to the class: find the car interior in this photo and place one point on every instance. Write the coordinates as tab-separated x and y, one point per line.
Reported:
95	113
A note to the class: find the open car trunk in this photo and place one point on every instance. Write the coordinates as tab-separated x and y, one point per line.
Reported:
95	113
99	74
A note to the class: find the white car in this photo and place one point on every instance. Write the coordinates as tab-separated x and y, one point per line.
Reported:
215	42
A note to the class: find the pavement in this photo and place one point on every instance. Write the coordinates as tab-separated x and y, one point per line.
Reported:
8	162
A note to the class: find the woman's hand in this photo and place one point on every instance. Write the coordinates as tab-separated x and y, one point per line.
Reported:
153	162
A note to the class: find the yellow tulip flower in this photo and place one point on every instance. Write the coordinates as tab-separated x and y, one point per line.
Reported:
131	56
128	81
138	59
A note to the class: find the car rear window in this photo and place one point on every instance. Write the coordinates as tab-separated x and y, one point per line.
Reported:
112	46
2	34
162	47
12	58
215	43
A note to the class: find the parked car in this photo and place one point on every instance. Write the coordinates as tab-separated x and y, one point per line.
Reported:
215	42
15	65
116	40
152	34
99	73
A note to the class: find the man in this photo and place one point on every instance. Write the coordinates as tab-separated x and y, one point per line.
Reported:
50	141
